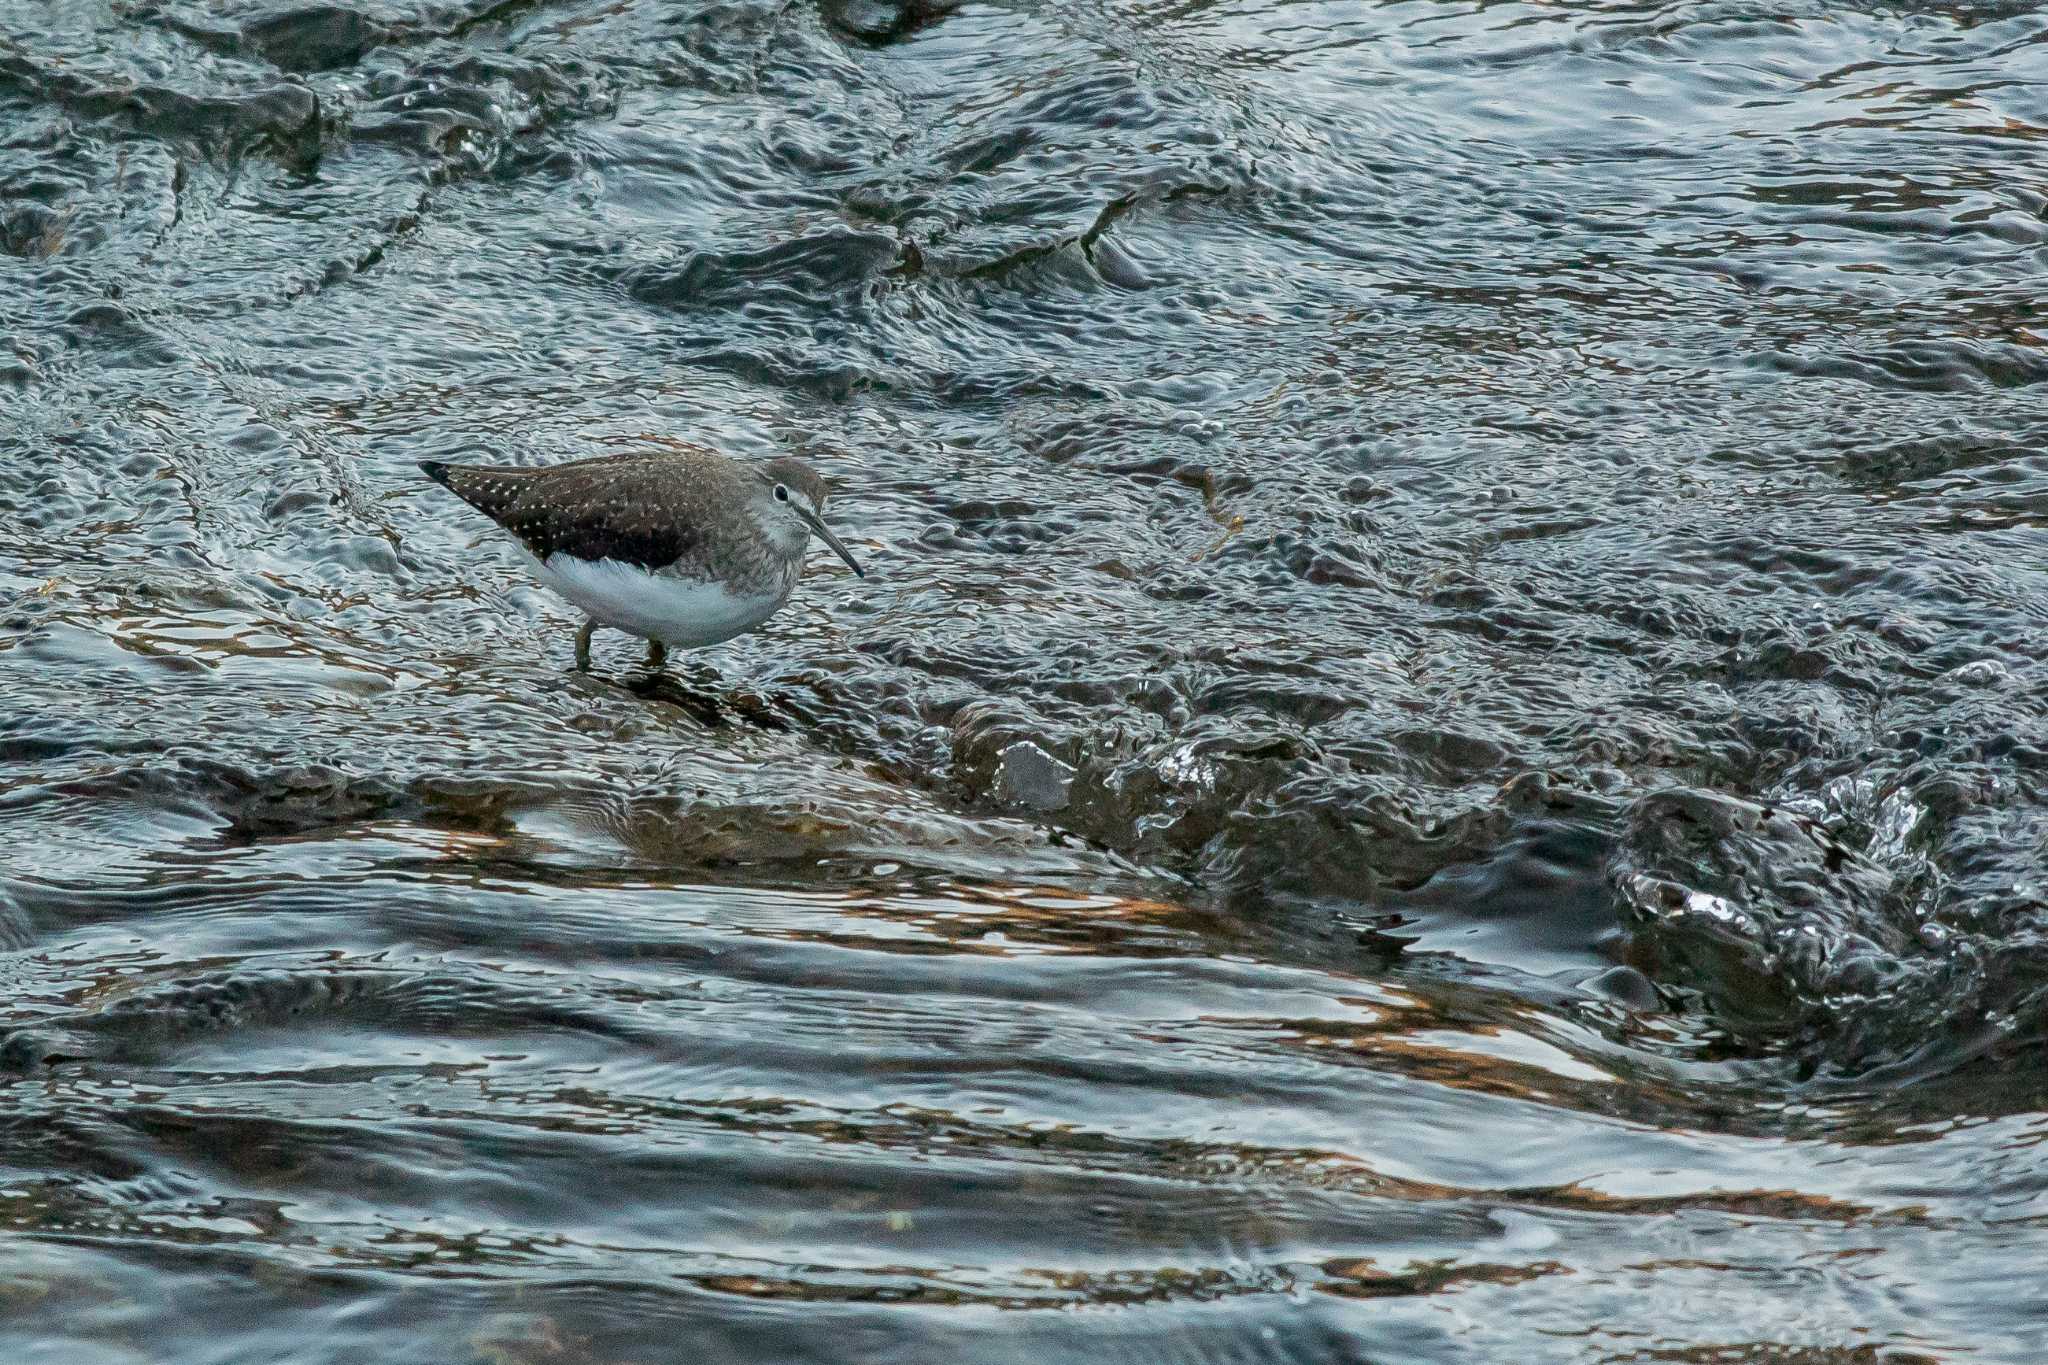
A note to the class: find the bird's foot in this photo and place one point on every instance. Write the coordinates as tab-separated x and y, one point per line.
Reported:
657	655
583	646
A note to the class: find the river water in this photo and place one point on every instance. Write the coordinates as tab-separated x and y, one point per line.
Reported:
1444	756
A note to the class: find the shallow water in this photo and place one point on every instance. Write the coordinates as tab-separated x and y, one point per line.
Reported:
1445	756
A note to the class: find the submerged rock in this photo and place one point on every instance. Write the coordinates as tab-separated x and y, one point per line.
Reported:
1764	914
315	37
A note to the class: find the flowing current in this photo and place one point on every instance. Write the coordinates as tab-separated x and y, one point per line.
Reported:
1444	756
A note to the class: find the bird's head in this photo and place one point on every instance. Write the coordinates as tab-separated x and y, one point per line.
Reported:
791	505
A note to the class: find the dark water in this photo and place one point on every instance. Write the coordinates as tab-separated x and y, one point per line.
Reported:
1445	757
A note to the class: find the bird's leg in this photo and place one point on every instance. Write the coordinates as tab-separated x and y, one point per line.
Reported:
657	654
583	646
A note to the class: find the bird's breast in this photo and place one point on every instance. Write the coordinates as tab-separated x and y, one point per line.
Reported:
675	607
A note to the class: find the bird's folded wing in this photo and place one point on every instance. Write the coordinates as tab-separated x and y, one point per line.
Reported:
594	509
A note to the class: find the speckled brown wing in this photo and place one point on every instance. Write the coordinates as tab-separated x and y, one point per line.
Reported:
638	509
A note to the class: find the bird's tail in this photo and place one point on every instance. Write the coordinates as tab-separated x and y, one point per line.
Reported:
437	470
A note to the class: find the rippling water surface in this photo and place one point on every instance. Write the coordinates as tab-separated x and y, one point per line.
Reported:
1445	756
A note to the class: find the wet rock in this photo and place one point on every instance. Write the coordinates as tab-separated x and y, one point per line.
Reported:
1907	633
315	37
830	259
1628	987
884	21
226	1000
285	117
1116	266
1981	673
17	927
1029	776
1764	914
33	1049
257	802
31	230
119	335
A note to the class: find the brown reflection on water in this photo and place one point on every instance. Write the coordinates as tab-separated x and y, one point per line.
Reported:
1004	920
1363	1278
1773	1353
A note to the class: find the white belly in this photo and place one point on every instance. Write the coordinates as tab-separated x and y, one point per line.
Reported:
676	611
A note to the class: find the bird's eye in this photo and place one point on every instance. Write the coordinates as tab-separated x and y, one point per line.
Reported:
781	493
